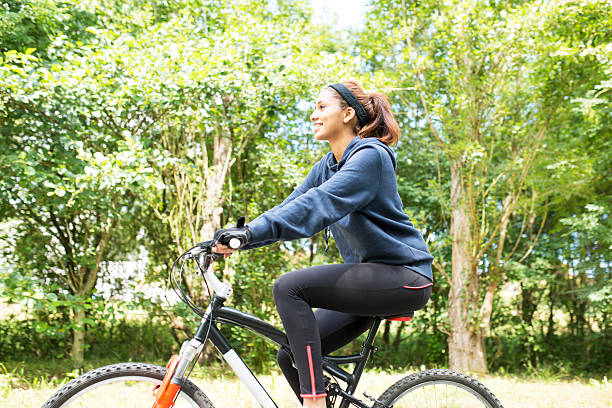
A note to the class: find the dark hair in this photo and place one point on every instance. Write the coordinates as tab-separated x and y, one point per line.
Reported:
381	123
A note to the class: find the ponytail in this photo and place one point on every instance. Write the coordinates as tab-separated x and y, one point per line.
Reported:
381	123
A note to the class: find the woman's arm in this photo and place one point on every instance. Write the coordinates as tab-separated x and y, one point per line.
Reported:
350	189
309	182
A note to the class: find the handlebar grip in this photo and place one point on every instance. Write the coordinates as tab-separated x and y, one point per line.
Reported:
234	243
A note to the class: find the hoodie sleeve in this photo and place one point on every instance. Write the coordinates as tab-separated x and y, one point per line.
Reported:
353	187
309	182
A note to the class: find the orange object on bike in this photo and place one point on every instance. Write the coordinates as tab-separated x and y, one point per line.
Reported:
166	392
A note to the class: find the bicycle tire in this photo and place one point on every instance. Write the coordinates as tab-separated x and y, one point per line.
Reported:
470	392
78	391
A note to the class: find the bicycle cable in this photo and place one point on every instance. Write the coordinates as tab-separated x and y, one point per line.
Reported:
177	286
210	320
178	289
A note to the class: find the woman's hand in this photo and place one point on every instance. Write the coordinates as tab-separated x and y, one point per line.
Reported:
223	249
240	236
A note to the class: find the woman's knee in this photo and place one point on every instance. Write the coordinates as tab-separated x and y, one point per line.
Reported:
284	286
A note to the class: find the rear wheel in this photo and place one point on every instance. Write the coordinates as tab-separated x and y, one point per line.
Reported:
122	385
439	388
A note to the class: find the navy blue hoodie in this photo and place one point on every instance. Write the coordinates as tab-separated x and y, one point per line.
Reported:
357	198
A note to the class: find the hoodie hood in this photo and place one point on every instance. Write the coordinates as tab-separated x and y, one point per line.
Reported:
353	147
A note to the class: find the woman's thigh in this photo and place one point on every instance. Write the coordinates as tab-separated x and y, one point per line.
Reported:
337	329
366	289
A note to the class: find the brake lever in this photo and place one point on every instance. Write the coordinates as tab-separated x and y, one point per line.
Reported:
209	256
204	246
204	249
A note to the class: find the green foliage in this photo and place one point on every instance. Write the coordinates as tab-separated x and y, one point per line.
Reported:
121	340
96	137
33	24
134	129
503	101
517	348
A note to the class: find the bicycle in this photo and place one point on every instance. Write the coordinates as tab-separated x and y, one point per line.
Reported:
159	387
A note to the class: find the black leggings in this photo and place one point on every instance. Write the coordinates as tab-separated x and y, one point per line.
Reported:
348	296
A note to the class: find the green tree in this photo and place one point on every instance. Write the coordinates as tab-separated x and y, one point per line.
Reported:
69	174
148	116
489	81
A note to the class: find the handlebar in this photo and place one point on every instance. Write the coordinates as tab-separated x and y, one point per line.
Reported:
203	255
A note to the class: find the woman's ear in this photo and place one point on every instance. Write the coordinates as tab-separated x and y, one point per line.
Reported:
349	114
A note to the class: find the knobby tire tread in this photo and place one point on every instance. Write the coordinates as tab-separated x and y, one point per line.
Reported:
122	370
421	377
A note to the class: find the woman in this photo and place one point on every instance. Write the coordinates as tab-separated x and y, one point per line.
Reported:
353	191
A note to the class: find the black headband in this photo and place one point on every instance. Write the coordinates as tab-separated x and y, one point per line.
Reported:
348	96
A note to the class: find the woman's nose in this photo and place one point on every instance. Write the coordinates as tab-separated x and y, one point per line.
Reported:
313	117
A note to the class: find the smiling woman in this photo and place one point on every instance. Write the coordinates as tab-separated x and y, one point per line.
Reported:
387	266
366	115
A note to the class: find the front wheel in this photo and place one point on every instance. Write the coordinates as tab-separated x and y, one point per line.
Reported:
122	385
438	388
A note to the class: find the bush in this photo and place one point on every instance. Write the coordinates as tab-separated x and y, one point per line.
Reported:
125	340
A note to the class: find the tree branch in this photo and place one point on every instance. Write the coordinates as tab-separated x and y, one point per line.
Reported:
441	269
533	244
428	116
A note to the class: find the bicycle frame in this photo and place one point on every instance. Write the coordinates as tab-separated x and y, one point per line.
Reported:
174	379
228	315
218	313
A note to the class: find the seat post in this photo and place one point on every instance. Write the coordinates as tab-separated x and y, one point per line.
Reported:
372	333
366	352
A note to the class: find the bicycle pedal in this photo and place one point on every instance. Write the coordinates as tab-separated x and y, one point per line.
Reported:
379	404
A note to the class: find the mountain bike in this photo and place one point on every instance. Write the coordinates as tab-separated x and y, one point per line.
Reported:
151	386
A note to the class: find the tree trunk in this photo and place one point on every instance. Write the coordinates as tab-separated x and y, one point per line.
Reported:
386	333
78	336
551	310
398	336
495	272
466	343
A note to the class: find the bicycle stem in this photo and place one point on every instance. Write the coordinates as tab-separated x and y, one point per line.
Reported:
222	290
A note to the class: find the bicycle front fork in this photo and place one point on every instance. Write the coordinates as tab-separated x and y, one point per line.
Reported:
166	393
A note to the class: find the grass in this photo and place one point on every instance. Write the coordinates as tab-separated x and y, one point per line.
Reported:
224	389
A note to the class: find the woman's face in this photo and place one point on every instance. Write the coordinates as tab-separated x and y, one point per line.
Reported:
328	118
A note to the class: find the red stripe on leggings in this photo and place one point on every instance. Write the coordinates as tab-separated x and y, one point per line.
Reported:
312	380
313	396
